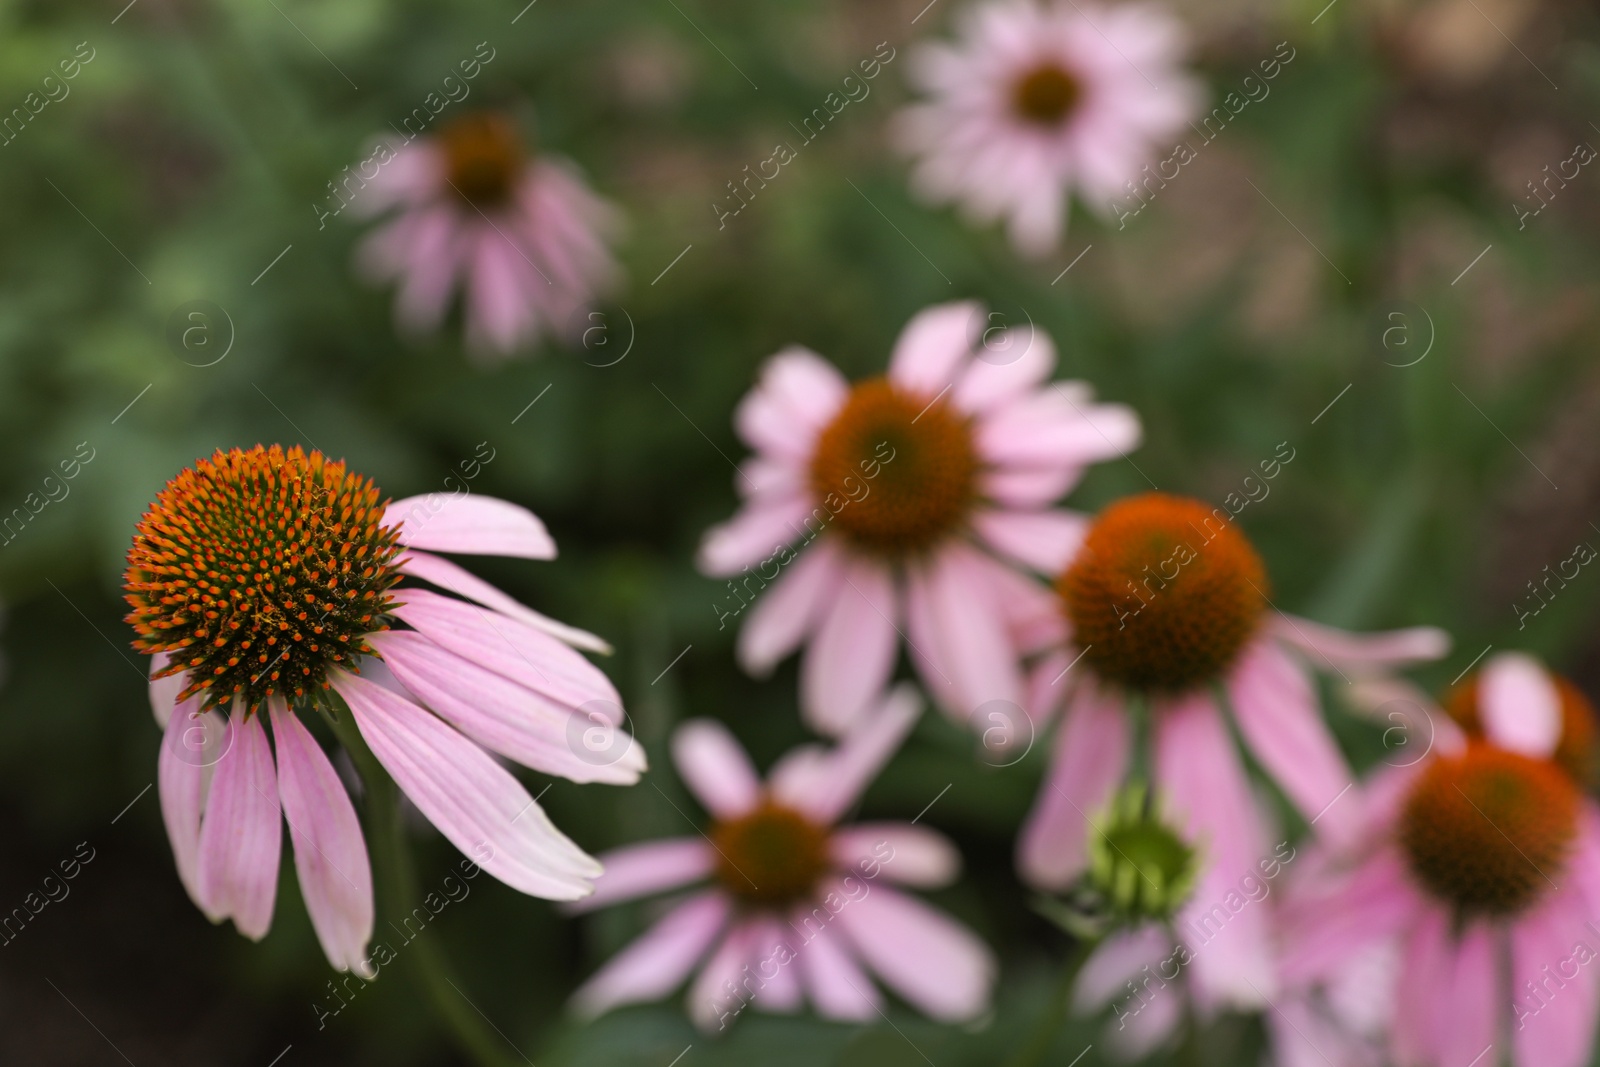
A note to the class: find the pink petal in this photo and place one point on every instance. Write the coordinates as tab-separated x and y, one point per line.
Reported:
1324	928
447	575
931	349
1209	794
658	961
715	768
1553	984
785	614
501	291
842	775
938	965
1090	759
1052	428
529	657
1519	705
852	654
164	691
797	394
1447	1006
330	855
759	532
508	718
478	806
901	852
1329	647
240	836
834	982
1043	540
776	977
1028	487
1007	365
717	996
652	867
476	525
959	634
1122	958
193	744
1279	716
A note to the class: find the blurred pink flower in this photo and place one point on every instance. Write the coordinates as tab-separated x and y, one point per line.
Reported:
797	905
261	577
1483	852
1166	607
928	495
524	236
1039	99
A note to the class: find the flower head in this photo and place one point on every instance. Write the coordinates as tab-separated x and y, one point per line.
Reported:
1038	99
1166	607
267	584
1485	850
522	234
795	905
920	503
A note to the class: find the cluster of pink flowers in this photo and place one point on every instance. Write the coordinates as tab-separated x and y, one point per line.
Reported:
919	511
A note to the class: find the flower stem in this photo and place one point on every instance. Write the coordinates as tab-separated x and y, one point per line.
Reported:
391	860
1056	1011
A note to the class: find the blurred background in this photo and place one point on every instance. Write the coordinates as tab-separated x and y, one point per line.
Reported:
1351	267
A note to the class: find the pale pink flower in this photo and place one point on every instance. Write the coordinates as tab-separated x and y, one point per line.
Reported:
262	579
1037	100
1484	852
797	907
920	503
523	236
1166	603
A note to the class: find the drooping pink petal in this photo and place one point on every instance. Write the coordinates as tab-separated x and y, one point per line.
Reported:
473	525
164	691
502	291
1043	540
1134	955
932	348
852	653
475	803
834	982
330	855
835	779
1281	720
1028	487
191	747
1328	924
787	613
1519	705
938	965
777	976
958	634
508	718
652	867
529	657
722	991
1448	1007
1091	756
1553	984
901	852
655	964
715	768
447	575
1329	647
1198	771
760	532
240	835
